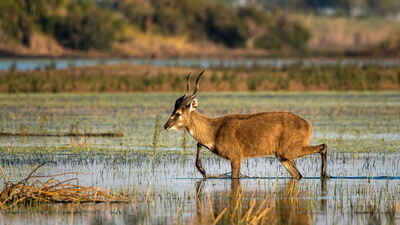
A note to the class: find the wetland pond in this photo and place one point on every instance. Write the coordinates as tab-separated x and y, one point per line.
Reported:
156	168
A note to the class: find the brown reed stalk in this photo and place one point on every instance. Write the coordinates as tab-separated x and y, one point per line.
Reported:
52	190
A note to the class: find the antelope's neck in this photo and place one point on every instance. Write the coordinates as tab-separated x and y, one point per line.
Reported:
202	129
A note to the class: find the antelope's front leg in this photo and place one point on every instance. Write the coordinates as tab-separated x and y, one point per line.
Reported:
199	166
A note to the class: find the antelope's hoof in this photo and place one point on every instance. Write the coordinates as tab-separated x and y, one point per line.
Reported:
243	176
325	176
298	177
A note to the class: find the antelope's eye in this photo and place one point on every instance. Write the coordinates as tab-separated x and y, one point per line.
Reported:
177	114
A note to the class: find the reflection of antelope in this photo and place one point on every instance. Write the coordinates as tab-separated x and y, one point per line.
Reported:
234	137
282	205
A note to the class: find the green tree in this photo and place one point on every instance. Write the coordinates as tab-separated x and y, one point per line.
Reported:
284	33
15	21
87	26
224	25
19	17
138	12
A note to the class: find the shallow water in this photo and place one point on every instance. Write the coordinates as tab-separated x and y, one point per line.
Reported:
173	180
157	167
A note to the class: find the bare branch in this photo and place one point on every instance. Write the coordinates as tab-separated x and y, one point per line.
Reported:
36	167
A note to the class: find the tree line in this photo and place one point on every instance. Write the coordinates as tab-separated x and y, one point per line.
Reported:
97	24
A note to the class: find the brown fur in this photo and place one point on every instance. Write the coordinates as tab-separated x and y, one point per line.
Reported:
237	136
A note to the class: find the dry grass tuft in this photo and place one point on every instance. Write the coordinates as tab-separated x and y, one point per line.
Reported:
32	189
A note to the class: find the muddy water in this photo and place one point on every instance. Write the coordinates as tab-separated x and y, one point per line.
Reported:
157	168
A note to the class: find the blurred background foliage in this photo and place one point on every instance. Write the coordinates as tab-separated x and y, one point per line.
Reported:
98	24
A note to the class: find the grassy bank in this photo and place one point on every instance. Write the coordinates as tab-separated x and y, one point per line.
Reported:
130	78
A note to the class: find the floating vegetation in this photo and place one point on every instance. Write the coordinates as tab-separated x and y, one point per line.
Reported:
53	190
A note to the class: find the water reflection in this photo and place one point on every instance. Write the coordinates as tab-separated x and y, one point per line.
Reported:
281	205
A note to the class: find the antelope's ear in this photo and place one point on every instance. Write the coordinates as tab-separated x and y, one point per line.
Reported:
193	105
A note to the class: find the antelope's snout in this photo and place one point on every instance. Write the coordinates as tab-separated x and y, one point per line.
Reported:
166	125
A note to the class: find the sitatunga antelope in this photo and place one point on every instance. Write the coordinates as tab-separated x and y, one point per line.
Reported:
234	137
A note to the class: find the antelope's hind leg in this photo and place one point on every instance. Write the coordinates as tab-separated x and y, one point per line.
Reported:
290	166
309	150
324	149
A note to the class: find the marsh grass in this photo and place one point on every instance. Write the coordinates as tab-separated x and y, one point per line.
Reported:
130	78
157	133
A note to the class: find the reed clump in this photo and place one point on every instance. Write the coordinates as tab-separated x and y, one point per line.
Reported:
32	189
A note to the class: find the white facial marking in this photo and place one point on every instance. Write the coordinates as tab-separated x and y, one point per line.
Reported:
172	128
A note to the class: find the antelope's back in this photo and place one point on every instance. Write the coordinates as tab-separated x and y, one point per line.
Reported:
262	133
